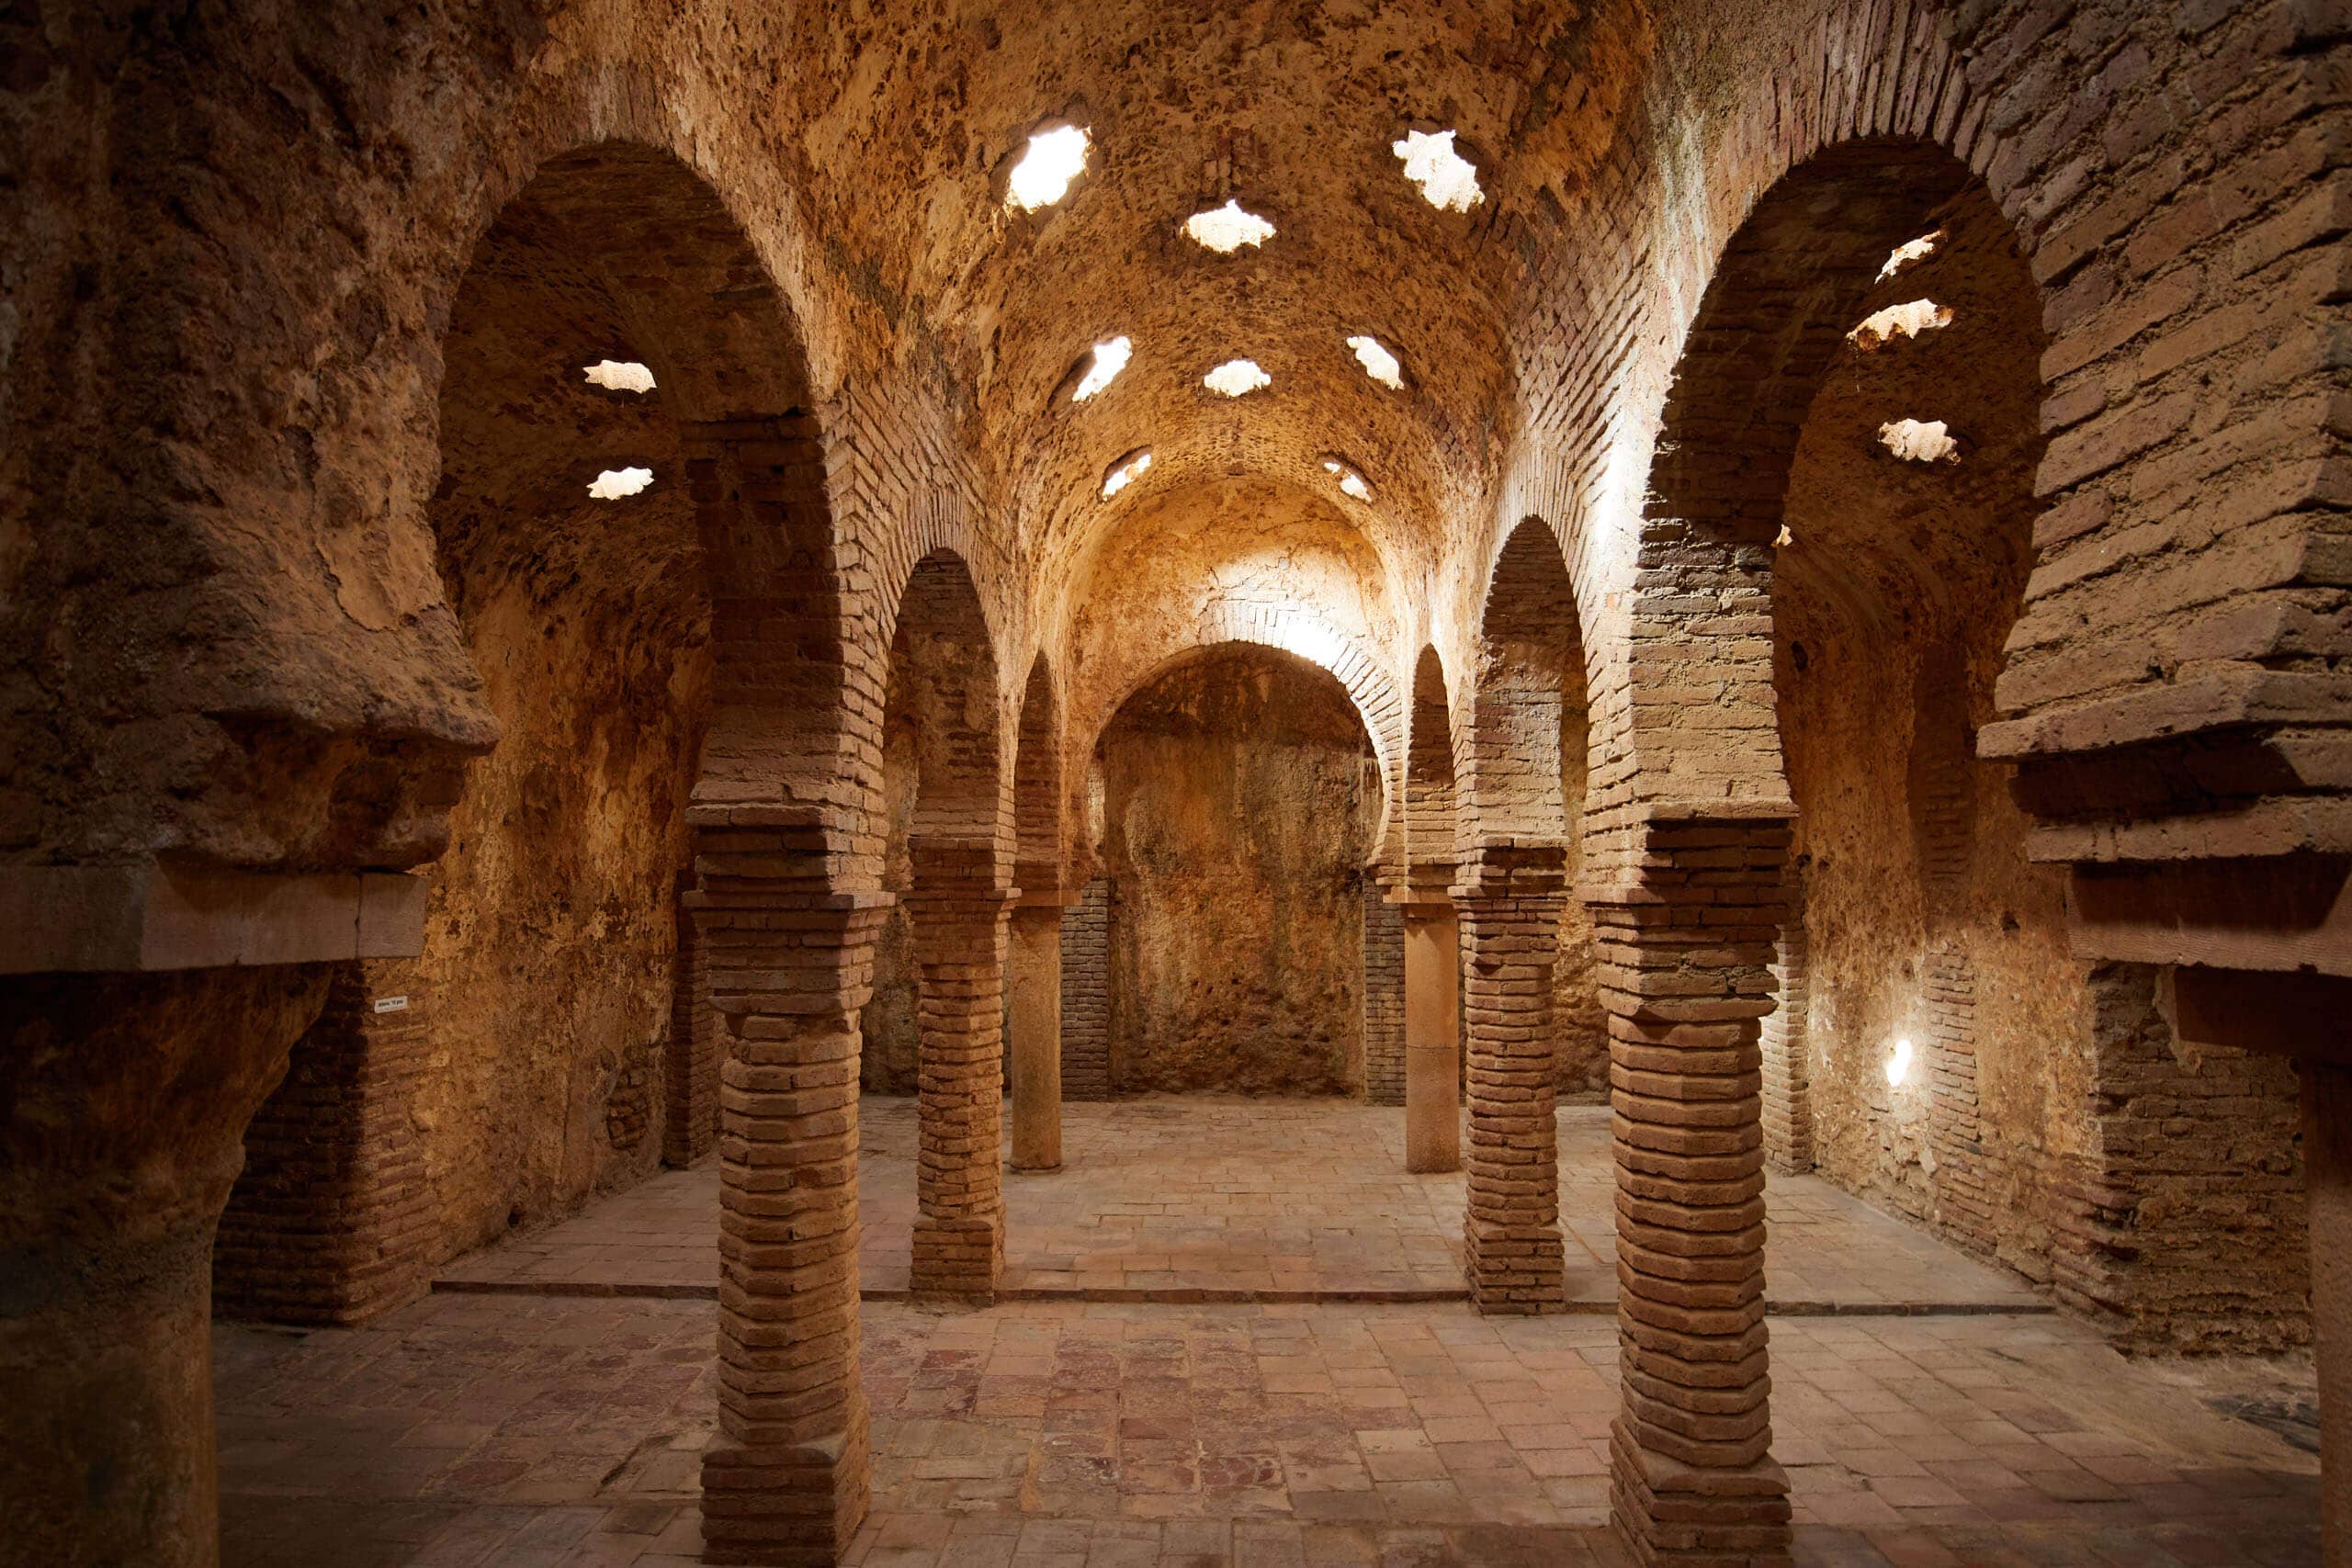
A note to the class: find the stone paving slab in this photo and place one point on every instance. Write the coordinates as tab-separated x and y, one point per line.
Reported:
464	1431
1205	1198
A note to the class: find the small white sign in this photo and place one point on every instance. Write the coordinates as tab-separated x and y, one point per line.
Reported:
391	1004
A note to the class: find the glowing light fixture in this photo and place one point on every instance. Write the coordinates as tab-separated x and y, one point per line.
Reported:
1055	158
620	376
1126	472
1226	229
1110	358
1445	176
1908	252
618	484
1898	1065
1378	363
1236	377
1916	441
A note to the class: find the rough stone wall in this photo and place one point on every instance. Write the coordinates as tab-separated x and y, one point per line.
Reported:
1923	920
1237	830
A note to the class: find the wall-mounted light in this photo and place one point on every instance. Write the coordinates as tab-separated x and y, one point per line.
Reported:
1898	1065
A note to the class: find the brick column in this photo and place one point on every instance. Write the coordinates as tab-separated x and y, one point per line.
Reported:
1385	1028
1686	951
1788	1056
959	939
1085	994
1036	1044
790	963
691	1063
1432	1035
1509	906
329	1221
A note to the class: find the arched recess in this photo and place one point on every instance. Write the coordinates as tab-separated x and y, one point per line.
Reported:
1368	682
944	792
584	1049
1034	969
1238	816
1921	943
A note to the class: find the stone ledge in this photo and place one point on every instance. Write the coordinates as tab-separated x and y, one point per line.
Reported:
79	919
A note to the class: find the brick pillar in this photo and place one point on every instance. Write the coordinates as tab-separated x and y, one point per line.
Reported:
1085	994
1963	1195
959	940
1433	934
1509	906
1788	1056
789	967
1036	1044
2327	1142
1686	954
691	1063
1384	999
329	1222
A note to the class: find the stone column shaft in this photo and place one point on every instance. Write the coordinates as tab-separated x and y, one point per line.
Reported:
1432	1037
120	1134
1036	1044
959	940
788	965
1509	907
1686	954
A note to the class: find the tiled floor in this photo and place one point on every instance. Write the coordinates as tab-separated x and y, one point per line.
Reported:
525	1430
1206	1198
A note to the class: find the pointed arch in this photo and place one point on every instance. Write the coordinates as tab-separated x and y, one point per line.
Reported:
1433	826
1527	719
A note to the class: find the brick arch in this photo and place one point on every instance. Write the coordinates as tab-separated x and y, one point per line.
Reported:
1302	632
1432	825
942	672
1531	675
1037	784
1788	286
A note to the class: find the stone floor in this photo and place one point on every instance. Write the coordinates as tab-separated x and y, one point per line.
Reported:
1199	1198
531	1430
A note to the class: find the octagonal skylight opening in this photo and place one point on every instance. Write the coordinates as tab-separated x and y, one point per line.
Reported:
1236	378
620	376
1043	178
1377	361
1907	319
1126	472
1226	229
1918	441
619	484
1103	368
1352	483
1447	179
1908	252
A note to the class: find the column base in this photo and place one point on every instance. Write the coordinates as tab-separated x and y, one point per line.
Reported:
1515	1270
959	1257
1667	1512
791	1506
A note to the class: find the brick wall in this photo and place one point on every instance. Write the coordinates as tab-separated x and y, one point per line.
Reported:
1085	994
329	1221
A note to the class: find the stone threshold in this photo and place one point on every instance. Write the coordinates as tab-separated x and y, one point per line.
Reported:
1197	1295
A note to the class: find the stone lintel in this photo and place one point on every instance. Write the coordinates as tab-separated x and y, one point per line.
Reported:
2299	1015
2282	915
79	919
